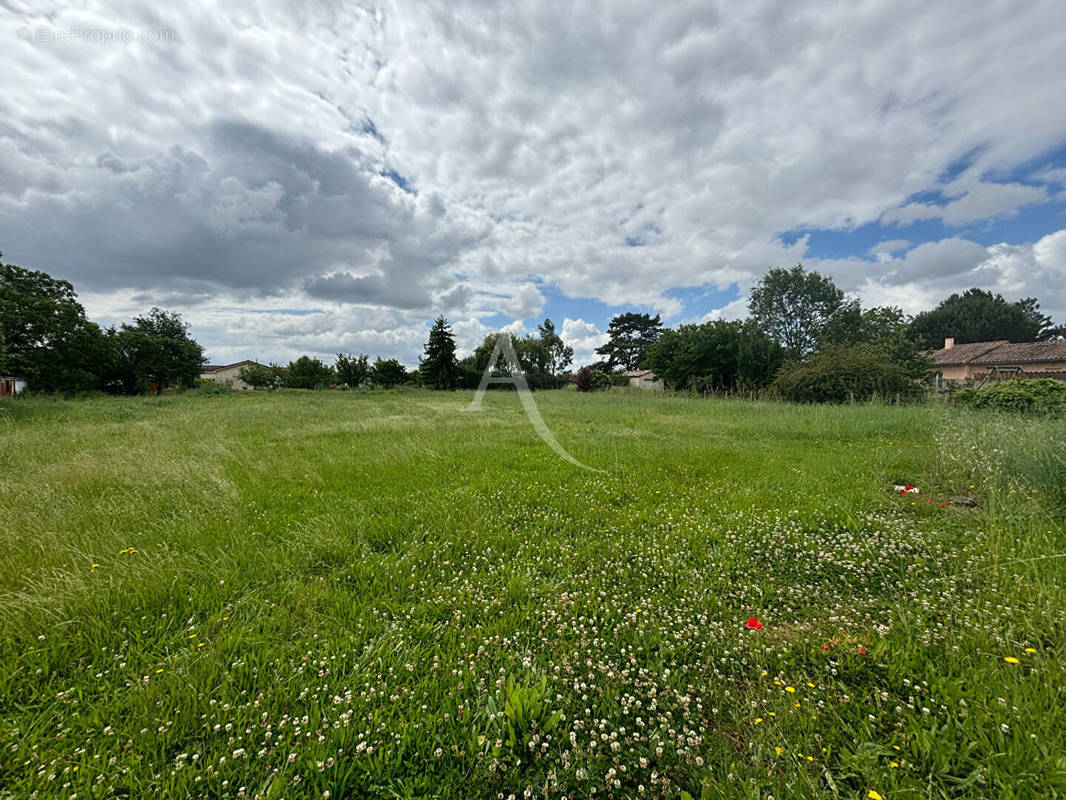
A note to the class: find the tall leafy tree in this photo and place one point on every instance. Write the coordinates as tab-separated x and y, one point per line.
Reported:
262	377
794	306
716	356
308	373
158	350
980	316
439	367
352	371
629	337
885	329
388	373
47	338
560	354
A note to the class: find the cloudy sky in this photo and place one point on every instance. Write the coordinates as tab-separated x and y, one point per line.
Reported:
330	179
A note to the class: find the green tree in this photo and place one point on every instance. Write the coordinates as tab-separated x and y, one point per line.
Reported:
845	373
591	380
388	373
158	350
560	354
885	328
308	373
46	336
980	316
352	371
439	368
794	306
716	356
260	377
629	337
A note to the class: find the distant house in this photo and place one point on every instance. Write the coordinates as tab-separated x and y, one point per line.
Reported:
643	379
228	374
11	386
979	363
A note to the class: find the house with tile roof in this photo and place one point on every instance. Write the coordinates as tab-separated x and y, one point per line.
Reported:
977	363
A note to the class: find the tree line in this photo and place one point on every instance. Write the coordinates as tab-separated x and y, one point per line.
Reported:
46	338
802	339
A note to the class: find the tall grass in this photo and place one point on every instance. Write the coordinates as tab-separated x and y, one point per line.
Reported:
377	594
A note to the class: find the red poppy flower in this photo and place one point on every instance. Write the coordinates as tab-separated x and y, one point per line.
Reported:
753	624
862	651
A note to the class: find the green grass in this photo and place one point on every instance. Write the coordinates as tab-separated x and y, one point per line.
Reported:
375	594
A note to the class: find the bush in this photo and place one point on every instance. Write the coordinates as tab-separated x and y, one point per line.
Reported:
1019	394
591	380
845	373
618	379
206	386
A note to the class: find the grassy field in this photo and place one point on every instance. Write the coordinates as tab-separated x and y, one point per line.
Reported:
352	594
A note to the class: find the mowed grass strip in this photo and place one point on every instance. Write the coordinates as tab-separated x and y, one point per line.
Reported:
348	594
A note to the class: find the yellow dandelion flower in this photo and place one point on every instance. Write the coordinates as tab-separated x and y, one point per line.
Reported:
894	763
1030	649
94	566
225	618
895	747
200	644
790	689
758	720
158	670
779	750
874	795
810	758
773	713
1011	660
810	684
192	635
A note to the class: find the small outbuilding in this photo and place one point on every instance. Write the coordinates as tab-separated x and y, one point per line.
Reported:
643	379
11	386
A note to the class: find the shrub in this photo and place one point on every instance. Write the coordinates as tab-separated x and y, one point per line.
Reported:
591	380
204	386
843	373
618	379
1018	394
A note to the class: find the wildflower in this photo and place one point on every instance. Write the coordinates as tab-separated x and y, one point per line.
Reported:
1011	660
93	566
753	624
758	720
158	670
862	651
893	764
874	795
790	689
779	750
1030	649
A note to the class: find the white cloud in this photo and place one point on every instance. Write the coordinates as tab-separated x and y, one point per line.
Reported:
883	251
970	199
267	158
584	337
